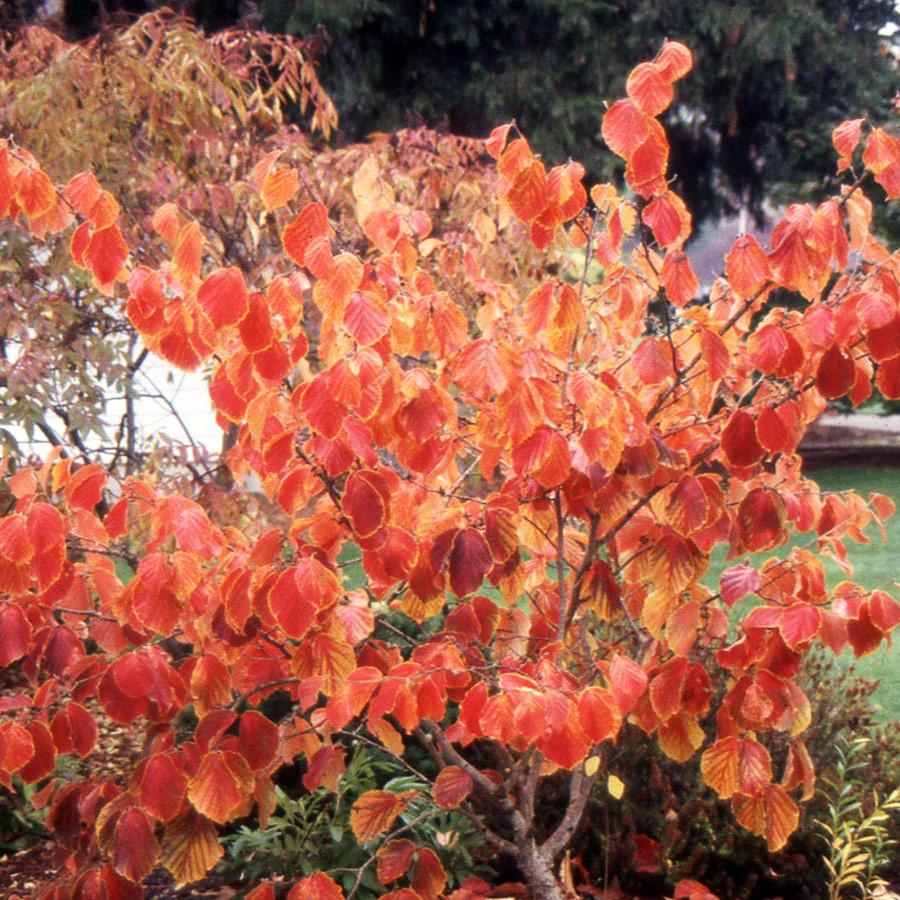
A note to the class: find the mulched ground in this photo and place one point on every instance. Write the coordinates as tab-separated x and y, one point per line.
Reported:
25	872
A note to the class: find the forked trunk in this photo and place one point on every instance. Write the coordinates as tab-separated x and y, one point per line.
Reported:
538	871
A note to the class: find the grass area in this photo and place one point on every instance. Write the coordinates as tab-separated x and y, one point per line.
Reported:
875	565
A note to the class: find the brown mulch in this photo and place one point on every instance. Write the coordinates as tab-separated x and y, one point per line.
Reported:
24	873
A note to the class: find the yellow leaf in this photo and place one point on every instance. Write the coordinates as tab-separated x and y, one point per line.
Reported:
615	786
591	765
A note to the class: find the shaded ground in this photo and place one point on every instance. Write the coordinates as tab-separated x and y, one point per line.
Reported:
24	873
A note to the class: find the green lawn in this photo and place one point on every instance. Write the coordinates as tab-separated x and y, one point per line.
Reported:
874	565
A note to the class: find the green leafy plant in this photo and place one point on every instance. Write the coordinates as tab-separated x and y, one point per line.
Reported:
20	822
856	829
311	832
307	832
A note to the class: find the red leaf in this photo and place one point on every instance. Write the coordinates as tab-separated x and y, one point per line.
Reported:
888	378
469	562
545	456
316	887
884	611
624	128
836	373
846	137
256	327
18	746
162	787
325	769
761	520
43	761
863	634
82	729
678	278
496	140
646	169
428	876
134	675
222	786
351	699
598	712
210	684
628	682
666	688
884	341
742	449
687	889
135	849
669	219
773	434
223	297
35	193
674	60
747	267
259	740
451	787
366	318
799	624
799	770
882	151
311	223
393	860
15	635
737	582
363	504
84	489
106	254
83	191
688	507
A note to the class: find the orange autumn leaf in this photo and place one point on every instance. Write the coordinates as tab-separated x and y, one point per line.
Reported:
278	188
678	278
221	787
650	87
190	848
528	194
736	766
375	812
770	814
316	887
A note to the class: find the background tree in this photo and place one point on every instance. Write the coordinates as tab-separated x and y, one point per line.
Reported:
772	79
156	111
